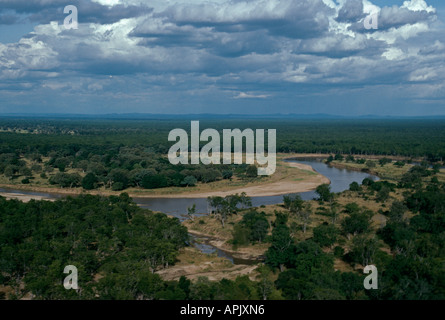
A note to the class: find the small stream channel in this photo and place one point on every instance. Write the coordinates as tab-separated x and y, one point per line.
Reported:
177	207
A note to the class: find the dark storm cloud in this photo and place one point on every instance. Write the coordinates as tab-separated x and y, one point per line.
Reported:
221	54
293	19
8	19
395	17
42	11
352	11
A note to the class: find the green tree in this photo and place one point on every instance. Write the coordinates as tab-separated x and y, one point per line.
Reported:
293	203
189	181
384	161
256	225
9	172
89	182
326	235
191	211
370	164
280	251
305	216
364	249
356	223
338	157
383	194
354	186
203	289
252	171
324	192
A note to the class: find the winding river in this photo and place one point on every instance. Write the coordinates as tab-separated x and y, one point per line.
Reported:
340	181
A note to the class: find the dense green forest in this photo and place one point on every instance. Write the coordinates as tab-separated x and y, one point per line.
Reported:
119	248
409	137
407	248
111	236
132	153
414	269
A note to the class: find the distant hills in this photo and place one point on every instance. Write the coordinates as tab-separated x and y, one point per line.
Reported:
153	116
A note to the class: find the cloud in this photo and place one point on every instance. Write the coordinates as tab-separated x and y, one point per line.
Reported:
351	11
45	11
287	18
243	95
234	51
8	19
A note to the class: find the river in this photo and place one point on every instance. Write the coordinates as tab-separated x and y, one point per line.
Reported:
340	181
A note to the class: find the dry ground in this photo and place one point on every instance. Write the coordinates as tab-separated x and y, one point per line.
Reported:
193	264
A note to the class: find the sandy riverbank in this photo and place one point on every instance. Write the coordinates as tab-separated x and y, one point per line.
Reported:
23	197
273	188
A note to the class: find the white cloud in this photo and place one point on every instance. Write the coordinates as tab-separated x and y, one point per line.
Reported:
241	47
418	5
107	2
393	54
244	95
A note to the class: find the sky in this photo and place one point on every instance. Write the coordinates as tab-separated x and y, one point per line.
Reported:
223	57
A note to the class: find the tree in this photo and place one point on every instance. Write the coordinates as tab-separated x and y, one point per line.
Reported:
37	168
137	175
266	287
324	192
354	186
224	207
333	212
118	177
338	157
227	174
281	218
66	180
351	208
252	171
244	200
326	235
329	159
9	172
311	271
370	164
280	251
154	181
399	164
384	161
203	289
25	171
364	249
189	181
383	194
305	216
110	235
211	175
89	182
357	222
61	164
191	211
240	235
293	203
368	182
255	225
